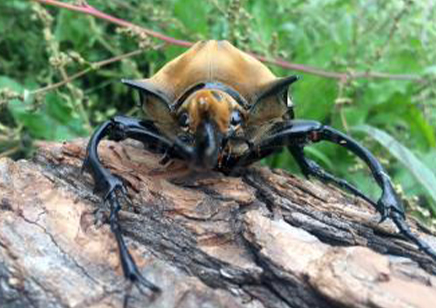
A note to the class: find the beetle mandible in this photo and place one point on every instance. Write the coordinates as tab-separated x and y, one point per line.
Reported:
220	109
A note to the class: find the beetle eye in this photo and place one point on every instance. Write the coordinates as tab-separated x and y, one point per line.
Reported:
236	118
184	120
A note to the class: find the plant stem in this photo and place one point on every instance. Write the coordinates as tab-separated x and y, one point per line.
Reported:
87	9
9	152
85	71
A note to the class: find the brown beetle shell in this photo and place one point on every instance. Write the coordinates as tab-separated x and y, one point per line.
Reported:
213	61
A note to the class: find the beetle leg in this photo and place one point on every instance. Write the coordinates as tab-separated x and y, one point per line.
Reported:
310	168
112	187
300	132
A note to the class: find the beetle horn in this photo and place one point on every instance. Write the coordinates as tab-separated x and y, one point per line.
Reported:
276	86
148	88
269	102
208	141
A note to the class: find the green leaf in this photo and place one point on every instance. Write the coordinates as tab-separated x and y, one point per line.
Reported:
53	121
431	70
320	156
6	82
421	172
73	28
310	106
193	19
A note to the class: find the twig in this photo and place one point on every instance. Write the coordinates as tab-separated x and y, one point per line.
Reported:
10	151
340	101
85	71
90	10
396	20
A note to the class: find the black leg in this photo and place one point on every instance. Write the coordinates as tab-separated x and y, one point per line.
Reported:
296	133
310	168
112	187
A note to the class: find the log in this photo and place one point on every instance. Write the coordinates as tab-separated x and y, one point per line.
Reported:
265	238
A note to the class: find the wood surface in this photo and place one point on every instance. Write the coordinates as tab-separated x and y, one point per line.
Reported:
265	238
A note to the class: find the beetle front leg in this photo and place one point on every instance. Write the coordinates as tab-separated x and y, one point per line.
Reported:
113	189
297	133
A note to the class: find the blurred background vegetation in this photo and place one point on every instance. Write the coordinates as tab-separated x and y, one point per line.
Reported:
41	46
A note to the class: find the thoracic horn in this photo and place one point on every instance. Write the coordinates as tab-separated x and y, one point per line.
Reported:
275	87
148	88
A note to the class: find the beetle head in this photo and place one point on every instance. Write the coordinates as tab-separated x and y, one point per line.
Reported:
210	116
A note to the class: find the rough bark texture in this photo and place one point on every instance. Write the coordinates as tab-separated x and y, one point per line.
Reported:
265	239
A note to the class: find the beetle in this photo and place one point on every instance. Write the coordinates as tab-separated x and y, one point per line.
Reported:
221	109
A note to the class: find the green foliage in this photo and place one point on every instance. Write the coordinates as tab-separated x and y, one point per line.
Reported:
40	46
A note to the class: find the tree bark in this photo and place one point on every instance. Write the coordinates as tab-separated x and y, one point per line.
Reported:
263	239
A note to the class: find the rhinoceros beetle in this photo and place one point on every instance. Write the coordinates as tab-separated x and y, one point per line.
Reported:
219	108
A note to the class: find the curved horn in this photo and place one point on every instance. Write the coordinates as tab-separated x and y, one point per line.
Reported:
276	87
149	88
269	103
